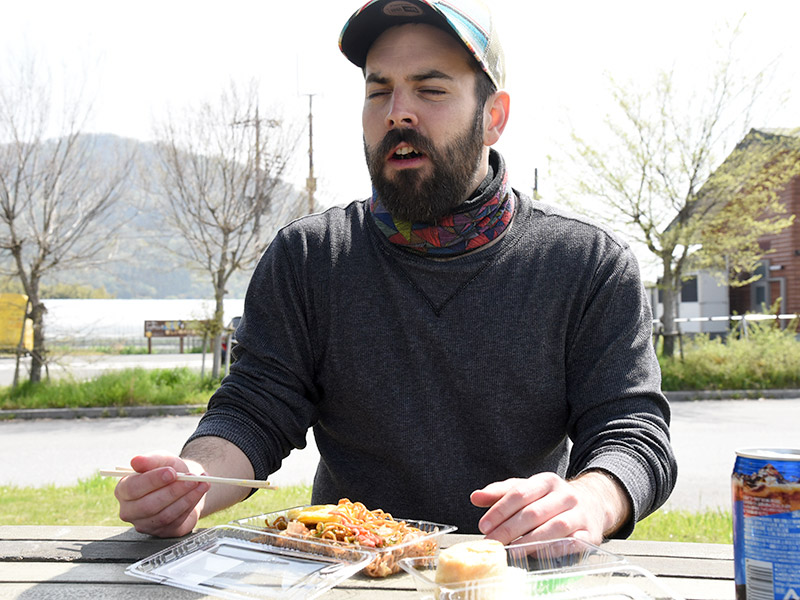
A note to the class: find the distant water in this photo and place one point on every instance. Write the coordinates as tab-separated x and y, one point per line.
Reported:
123	319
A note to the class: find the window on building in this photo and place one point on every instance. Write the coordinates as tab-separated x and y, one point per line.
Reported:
689	290
760	297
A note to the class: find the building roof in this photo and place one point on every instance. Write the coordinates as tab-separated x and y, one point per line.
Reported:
778	131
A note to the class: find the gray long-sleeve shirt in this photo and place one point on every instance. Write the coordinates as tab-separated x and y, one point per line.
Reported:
427	379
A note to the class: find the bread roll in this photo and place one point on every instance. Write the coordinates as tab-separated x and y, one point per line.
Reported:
469	563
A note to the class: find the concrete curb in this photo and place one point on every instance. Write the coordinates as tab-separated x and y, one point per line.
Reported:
195	409
732	395
102	412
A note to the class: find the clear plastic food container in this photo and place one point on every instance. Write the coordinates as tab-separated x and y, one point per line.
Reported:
387	560
559	569
243	564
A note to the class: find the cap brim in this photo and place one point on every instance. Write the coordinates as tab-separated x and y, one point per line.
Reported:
367	24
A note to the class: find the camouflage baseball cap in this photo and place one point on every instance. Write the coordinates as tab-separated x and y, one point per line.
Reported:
470	21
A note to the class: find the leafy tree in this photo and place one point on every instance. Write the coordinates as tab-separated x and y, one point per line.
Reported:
660	177
57	193
740	203
221	183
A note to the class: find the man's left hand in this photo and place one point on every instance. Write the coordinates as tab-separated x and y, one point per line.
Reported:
546	506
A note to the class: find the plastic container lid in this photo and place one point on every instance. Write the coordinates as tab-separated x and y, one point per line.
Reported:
566	568
238	563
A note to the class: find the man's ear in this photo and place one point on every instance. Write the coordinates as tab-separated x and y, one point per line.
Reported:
497	107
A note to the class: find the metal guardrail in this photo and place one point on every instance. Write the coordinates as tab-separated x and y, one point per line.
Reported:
743	318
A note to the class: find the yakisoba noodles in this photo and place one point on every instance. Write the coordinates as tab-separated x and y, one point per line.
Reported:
352	523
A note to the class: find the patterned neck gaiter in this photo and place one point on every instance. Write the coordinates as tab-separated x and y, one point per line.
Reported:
457	233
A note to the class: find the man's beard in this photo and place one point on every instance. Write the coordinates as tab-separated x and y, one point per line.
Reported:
410	195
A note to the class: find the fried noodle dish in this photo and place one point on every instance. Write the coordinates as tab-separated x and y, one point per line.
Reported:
352	523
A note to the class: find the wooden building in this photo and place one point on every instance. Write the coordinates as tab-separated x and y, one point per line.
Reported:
780	267
704	297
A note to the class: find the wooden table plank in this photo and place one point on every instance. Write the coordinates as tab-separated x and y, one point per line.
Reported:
69	532
74	591
682	567
694	589
63	572
78	551
48	575
689	589
682	550
43	563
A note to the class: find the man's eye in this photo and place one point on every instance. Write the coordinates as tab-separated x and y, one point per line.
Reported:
376	94
432	92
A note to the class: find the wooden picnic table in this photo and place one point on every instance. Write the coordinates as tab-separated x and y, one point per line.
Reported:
62	563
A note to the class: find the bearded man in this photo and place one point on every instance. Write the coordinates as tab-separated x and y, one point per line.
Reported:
464	354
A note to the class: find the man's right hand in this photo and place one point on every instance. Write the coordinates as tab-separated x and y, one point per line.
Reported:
155	502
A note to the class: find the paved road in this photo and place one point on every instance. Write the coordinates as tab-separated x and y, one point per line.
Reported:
705	434
62	451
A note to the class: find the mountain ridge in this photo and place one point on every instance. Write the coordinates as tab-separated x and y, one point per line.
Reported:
145	260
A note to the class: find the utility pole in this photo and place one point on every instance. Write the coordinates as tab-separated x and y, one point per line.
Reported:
257	122
311	182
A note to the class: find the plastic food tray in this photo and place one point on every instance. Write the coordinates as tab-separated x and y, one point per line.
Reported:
388	557
238	563
559	569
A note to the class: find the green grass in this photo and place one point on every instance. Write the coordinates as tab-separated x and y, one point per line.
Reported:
131	387
92	502
712	525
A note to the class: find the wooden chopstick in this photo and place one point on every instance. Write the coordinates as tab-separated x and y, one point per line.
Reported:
251	483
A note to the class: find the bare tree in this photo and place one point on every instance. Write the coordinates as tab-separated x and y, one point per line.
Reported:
221	179
660	176
57	191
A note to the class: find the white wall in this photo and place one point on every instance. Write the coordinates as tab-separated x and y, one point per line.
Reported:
712	301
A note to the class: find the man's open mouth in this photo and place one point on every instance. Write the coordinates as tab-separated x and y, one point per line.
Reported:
406	153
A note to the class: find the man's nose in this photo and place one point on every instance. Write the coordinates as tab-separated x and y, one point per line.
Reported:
401	112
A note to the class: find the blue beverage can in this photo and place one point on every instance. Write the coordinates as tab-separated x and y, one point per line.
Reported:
766	523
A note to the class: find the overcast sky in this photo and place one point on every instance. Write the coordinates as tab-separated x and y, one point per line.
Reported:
142	57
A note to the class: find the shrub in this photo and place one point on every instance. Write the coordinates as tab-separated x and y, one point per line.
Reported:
766	358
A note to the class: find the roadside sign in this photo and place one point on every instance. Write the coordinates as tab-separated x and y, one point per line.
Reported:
178	328
173	329
16	329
